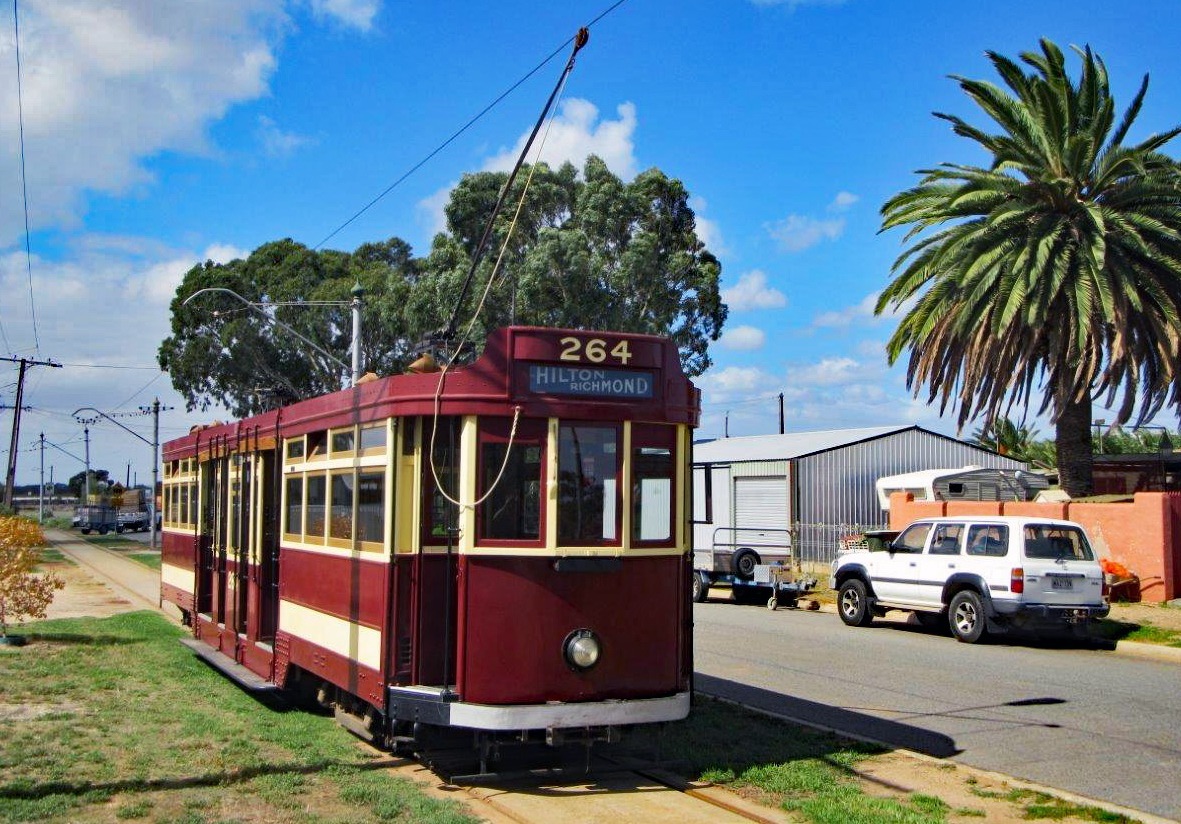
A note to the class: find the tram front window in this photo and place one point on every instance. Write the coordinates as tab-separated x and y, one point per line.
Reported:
512	509
588	490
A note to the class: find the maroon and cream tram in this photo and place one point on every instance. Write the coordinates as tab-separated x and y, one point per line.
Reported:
501	546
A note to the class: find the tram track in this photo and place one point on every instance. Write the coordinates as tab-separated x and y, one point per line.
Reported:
613	789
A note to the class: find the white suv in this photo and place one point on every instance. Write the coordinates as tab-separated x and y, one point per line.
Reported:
978	574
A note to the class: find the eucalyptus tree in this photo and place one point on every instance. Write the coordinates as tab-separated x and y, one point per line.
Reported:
586	251
222	351
1055	269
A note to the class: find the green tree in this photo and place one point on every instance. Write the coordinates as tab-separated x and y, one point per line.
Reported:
221	351
1055	269
591	253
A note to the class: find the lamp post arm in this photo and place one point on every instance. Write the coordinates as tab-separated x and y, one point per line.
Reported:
112	420
257	308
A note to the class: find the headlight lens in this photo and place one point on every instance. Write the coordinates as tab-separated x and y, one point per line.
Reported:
581	649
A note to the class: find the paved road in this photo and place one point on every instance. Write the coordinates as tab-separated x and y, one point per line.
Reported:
1092	722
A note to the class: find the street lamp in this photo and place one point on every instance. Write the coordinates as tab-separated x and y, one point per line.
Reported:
1099	432
353	369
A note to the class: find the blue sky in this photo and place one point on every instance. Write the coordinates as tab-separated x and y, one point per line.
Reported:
159	133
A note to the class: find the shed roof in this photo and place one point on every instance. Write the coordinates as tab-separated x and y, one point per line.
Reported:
796	444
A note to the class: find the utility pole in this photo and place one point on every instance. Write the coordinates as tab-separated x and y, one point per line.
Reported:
356	346
780	413
86	490
41	486
25	363
155	409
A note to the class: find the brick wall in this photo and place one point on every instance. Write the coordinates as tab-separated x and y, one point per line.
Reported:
1143	535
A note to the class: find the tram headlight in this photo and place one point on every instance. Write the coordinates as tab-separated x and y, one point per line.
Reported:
581	649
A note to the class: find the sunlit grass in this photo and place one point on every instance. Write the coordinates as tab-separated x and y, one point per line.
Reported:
130	723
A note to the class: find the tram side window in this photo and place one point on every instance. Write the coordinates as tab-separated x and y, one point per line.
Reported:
192	514
184	509
512	511
341	525
294	523
588	492
315	495
295	449
370	506
373	439
652	483
438	512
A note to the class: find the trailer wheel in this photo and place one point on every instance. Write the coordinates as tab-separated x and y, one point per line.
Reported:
772	603
119	530
700	587
102	530
744	563
85	530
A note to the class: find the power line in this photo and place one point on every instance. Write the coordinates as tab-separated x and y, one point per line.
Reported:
109	366
24	180
466	125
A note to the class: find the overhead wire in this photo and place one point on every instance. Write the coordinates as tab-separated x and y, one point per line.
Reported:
24	180
471	122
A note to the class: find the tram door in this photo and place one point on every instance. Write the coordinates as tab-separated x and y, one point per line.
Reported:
437	591
214	519
241	496
205	555
268	555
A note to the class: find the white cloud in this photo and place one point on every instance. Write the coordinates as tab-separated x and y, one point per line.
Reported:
576	133
860	313
792	5
734	380
276	142
357	14
752	292
743	339
105	87
843	201
708	231
795	233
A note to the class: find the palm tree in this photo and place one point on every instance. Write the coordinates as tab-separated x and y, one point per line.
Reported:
1055	270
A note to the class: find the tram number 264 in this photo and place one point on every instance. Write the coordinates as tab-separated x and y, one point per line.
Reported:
594	350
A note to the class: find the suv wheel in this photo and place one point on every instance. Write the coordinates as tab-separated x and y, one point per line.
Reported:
965	616
853	605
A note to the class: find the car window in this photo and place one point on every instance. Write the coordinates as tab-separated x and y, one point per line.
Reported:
913	539
946	539
1053	542
990	540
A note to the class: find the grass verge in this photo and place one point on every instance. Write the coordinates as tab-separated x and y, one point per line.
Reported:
816	776
1114	630
105	719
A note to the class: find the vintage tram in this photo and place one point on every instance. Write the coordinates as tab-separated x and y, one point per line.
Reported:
500	547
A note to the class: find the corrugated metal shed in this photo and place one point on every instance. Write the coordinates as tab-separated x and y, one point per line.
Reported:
832	472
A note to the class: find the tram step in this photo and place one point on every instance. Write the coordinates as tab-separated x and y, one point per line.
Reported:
229	667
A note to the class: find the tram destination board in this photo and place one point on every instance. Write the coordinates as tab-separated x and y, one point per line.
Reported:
617	367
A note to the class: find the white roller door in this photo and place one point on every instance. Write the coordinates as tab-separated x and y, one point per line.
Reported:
760	502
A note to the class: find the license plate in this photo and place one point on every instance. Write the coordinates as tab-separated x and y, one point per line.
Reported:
1061	583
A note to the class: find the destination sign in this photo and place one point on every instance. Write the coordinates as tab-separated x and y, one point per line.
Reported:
606	383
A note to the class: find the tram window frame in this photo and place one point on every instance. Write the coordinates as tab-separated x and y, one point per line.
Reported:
296	508
182	512
433	504
295	449
364	520
317	448
342	442
653	437
615	539
310	479
530	435
367	446
341	513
